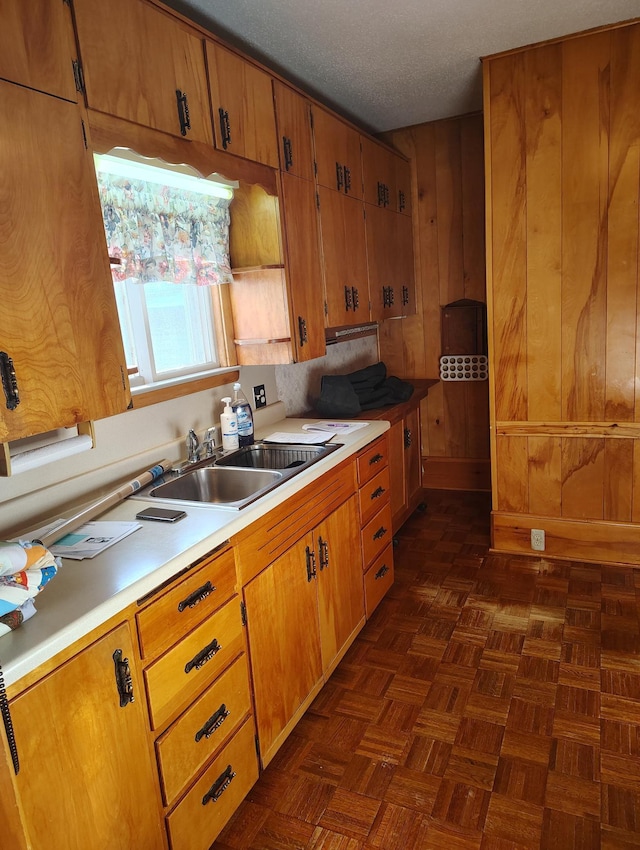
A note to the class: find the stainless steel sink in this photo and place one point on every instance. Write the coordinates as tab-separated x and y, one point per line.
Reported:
232	488
275	456
236	479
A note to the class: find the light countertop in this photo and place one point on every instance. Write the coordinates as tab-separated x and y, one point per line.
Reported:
85	594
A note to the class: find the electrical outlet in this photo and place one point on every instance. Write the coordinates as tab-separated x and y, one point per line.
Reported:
259	396
537	539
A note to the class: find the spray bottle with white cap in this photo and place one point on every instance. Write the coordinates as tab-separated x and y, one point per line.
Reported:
229	427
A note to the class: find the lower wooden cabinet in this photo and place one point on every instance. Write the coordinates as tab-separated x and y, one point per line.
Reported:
87	777
303	610
405	466
374	496
196	674
199	817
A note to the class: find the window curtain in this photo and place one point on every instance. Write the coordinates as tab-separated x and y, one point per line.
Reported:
164	234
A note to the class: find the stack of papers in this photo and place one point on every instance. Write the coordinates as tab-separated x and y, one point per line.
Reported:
335	427
92	538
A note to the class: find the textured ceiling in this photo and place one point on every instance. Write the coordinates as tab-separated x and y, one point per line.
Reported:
392	63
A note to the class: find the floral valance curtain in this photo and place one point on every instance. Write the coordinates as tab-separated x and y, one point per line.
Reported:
160	233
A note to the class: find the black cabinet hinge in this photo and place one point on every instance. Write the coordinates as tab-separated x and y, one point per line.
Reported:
318	200
243	613
257	743
86	147
78	76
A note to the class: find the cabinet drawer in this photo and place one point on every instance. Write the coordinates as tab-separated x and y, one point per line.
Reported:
376	534
371	461
185	606
199	817
373	495
203	728
186	670
378	579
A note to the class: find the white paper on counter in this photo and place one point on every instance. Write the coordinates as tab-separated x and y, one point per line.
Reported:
92	538
335	427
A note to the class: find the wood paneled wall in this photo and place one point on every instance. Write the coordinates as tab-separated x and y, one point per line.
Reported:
449	246
562	138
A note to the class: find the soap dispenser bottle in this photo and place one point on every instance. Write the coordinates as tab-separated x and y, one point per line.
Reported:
229	427
242	410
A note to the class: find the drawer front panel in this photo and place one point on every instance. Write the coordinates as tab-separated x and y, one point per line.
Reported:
376	535
185	606
378	579
195	823
373	495
371	461
203	728
186	670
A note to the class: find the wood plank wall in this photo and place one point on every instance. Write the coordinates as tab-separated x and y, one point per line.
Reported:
449	247
562	144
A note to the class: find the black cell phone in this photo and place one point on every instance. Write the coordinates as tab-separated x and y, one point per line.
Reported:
161	514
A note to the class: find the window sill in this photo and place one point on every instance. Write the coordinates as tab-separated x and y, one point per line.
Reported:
144	396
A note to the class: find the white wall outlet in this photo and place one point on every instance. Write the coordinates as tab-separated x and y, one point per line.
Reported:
537	539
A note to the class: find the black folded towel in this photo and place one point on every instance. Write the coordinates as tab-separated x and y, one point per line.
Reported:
347	395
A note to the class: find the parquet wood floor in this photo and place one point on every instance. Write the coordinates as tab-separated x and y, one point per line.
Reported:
491	703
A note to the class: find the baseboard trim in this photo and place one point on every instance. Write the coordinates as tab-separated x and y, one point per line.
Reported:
456	473
595	541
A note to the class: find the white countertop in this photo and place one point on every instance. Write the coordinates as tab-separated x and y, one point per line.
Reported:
85	594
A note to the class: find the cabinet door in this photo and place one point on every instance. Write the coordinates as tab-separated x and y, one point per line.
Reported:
397	475
293	118
54	272
378	174
87	778
404	277
284	642
337	153
340	587
382	260
139	62
402	186
344	259
412	455
36	46
242	102
304	266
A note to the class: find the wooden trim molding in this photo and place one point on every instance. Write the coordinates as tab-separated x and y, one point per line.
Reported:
568	429
576	540
179	390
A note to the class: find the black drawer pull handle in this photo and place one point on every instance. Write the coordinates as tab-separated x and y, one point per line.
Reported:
124	682
384	569
348	298
203	656
288	156
380	533
376	459
219	786
225	127
302	330
183	112
401	200
378	492
347	179
196	597
311	564
214	722
356	297
9	381
405	296
339	177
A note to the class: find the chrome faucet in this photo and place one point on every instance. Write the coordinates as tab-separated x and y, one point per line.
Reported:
193	447
209	442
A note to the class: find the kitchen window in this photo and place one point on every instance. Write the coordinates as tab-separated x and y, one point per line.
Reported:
167	232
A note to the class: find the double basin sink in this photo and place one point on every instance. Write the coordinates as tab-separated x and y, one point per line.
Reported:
236	479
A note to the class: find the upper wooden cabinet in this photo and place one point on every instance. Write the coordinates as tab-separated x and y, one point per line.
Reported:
141	64
36	48
242	106
390	263
60	325
386	177
337	153
295	142
303	266
105	749
344	258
